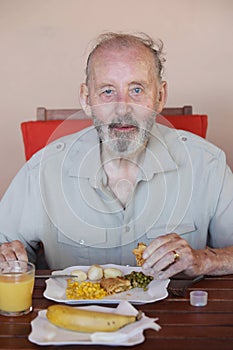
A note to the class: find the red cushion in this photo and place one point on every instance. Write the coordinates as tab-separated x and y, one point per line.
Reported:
195	123
37	134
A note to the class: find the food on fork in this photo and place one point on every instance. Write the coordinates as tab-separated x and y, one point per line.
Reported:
115	285
81	320
80	275
138	253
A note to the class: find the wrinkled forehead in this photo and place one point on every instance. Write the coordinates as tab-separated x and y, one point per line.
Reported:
133	52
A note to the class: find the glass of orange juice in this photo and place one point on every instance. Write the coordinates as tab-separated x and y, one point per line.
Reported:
16	287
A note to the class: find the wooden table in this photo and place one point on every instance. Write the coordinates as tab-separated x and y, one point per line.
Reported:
183	326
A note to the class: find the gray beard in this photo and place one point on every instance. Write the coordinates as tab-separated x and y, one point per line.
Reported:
121	143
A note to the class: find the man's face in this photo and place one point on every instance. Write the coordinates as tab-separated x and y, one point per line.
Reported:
123	93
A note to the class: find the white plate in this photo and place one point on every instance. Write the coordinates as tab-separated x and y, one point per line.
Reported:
45	333
157	289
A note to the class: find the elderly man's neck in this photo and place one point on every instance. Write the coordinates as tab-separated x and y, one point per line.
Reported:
122	158
122	172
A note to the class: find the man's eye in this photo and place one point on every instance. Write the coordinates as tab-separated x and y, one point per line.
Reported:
108	92
137	90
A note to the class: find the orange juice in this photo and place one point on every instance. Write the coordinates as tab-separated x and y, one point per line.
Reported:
16	292
16	287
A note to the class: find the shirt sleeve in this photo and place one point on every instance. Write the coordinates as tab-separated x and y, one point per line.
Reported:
221	225
17	212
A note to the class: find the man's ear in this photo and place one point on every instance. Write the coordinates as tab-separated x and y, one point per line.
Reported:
84	99
162	96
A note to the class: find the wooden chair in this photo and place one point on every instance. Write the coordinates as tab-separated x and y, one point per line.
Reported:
56	114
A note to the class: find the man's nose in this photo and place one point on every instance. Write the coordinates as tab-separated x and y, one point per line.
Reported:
123	106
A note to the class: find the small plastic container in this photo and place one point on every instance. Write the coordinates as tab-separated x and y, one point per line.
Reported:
198	298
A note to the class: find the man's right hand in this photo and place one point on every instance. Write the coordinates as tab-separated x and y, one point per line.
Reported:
13	251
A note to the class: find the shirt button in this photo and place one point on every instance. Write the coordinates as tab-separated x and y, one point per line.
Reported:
81	241
183	138
60	146
127	228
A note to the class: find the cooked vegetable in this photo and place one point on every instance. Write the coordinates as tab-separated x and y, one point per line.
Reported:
95	273
80	275
112	272
84	290
81	320
139	279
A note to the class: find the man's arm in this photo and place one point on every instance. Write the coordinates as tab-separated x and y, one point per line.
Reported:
161	253
17	216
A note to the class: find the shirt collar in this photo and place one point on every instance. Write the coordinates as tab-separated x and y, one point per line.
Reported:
87	163
157	159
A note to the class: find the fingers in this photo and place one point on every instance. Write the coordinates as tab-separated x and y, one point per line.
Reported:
161	256
13	251
161	248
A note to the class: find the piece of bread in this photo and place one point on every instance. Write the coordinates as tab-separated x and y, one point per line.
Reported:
115	285
138	253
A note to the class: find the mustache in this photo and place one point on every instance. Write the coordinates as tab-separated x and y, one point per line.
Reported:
119	121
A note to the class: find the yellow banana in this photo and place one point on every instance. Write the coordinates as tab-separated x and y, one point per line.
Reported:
81	320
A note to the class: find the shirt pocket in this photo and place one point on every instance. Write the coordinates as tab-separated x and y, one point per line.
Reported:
184	229
83	236
79	253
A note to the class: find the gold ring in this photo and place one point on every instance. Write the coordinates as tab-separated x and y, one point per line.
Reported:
176	255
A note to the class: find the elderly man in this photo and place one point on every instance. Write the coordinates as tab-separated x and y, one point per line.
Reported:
91	197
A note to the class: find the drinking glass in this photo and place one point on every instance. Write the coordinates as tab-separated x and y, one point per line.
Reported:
16	287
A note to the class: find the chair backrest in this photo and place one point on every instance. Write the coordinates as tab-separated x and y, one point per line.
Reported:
37	134
54	114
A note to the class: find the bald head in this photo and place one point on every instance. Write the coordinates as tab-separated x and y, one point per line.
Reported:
113	41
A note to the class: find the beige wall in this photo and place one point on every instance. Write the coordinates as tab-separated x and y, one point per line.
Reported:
43	46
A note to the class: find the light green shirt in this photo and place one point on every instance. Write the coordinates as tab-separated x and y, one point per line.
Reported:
61	197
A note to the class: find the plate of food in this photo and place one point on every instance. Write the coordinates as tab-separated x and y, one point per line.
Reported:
106	284
66	324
